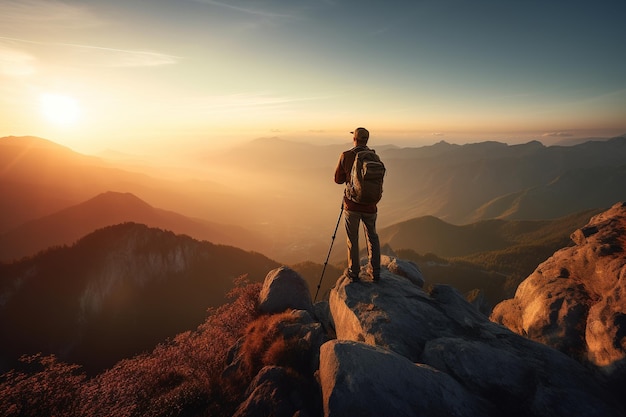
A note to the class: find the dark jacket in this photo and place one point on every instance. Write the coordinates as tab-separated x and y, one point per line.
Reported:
342	175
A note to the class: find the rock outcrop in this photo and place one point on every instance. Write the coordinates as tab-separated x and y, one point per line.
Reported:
392	348
362	380
283	288
576	300
506	374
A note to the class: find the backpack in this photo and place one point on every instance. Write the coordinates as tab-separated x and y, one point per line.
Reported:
365	185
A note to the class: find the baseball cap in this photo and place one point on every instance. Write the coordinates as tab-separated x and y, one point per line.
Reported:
361	133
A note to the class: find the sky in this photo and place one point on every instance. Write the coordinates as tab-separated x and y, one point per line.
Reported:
175	77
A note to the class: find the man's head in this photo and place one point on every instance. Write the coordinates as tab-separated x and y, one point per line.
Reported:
361	135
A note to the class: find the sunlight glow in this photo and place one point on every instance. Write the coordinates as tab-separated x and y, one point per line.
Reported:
60	109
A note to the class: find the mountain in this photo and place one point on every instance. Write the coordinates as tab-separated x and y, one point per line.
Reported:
465	183
429	234
39	178
114	293
459	184
284	190
68	225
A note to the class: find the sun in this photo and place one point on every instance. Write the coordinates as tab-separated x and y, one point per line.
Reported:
60	109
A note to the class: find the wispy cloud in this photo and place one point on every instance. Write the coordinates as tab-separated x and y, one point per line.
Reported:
29	21
114	57
251	100
557	134
248	9
15	63
34	13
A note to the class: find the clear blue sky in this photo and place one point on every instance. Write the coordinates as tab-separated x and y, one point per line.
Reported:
131	74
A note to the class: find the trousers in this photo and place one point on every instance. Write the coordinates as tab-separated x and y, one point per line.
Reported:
352	220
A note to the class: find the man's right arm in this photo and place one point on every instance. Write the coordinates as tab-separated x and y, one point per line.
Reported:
340	172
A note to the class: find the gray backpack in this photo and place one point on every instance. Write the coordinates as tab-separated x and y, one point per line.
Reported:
365	185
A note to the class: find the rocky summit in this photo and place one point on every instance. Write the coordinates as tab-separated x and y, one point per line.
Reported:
574	301
392	348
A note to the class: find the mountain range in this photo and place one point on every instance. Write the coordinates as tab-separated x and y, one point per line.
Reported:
70	224
268	186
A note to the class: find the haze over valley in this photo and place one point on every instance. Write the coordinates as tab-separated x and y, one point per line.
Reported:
277	197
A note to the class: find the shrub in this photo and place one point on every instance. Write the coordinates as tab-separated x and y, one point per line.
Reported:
41	386
180	377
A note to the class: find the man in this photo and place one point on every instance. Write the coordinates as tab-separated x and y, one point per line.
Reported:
354	213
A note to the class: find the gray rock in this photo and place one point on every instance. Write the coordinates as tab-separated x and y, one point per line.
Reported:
574	300
322	314
520	377
407	269
491	372
274	392
398	315
362	380
515	375
284	289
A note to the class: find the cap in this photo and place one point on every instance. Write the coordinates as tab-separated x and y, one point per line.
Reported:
361	133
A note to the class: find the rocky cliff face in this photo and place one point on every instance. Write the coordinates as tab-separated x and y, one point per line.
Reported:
574	301
127	283
392	349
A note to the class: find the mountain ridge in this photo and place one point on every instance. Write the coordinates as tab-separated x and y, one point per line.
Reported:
429	234
115	292
252	185
68	225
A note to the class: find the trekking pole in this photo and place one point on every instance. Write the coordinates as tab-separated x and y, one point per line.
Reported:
329	250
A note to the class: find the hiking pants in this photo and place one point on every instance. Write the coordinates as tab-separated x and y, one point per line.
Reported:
352	219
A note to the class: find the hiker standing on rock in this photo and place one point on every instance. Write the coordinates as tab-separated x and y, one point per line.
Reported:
362	171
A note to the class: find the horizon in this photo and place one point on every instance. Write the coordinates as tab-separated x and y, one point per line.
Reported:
202	74
170	163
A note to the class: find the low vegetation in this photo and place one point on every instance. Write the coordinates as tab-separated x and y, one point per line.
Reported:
181	377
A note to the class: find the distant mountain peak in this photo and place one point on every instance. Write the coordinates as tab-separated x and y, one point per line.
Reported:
31	142
116	197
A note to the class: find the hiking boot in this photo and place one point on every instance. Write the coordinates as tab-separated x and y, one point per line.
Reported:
375	275
351	275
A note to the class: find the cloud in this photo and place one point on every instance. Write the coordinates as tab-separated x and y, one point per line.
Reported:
15	63
33	14
557	134
438	134
31	20
111	57
129	58
247	9
251	100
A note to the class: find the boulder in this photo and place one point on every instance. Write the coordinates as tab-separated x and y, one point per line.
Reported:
513	375
274	392
574	300
283	289
362	380
520	377
407	269
398	315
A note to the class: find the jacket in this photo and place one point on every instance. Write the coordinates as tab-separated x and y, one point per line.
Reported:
342	176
